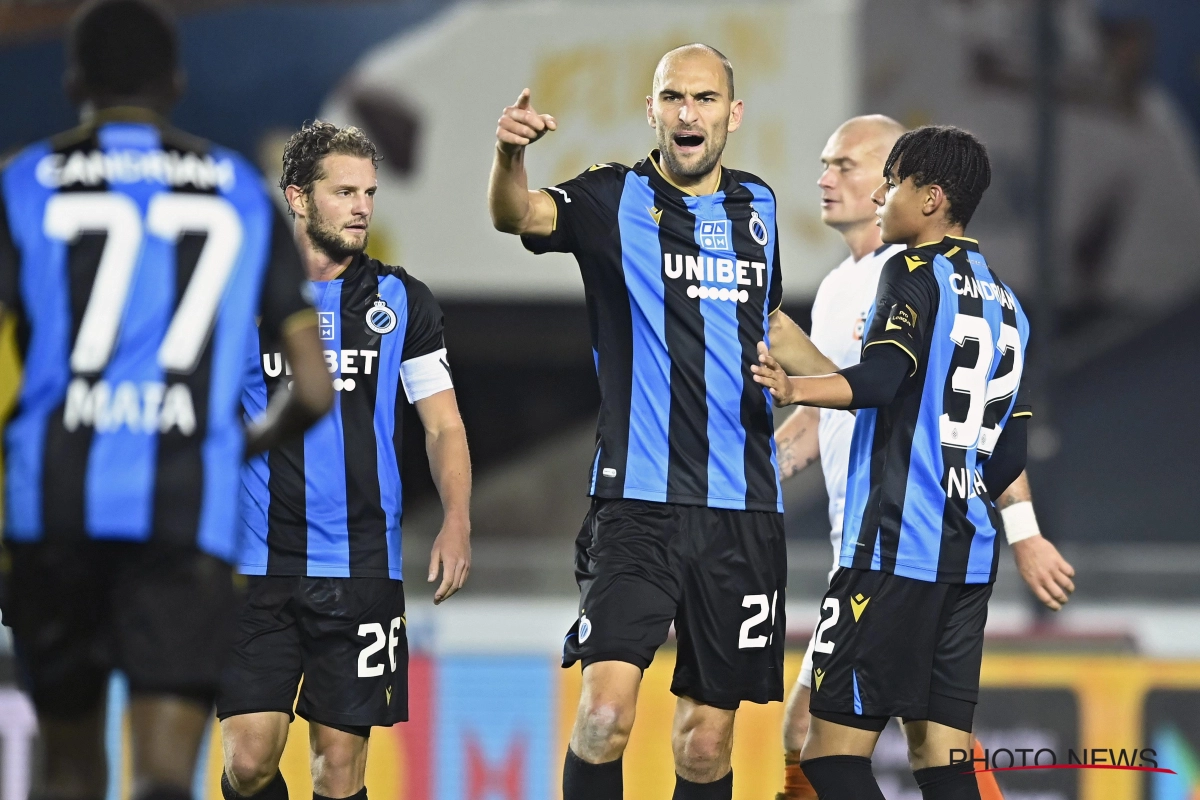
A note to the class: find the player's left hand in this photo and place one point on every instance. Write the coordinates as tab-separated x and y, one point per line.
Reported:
768	372
452	552
1045	571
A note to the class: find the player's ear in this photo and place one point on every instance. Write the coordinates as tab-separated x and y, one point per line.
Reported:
735	115
297	200
650	111
935	200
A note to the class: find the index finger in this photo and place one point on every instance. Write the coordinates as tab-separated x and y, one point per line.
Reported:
523	98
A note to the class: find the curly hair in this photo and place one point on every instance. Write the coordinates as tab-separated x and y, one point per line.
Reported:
949	157
307	148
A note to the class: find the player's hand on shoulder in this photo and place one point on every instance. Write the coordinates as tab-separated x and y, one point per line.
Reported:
768	373
521	125
452	554
1044	570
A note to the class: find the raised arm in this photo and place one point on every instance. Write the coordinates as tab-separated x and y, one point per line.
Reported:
514	208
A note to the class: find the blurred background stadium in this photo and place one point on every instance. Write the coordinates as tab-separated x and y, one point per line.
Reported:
1090	109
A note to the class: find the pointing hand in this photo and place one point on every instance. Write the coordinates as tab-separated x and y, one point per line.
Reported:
521	125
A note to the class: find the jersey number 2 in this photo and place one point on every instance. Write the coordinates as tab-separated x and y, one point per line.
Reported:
973	381
168	217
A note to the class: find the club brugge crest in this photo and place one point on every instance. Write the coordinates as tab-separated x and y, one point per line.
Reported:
380	318
758	228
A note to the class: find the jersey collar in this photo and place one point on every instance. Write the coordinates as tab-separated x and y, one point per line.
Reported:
950	242
659	178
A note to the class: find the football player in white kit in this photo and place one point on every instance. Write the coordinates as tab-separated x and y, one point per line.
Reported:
853	160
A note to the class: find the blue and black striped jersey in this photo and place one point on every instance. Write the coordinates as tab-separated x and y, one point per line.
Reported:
136	259
329	504
916	502
678	290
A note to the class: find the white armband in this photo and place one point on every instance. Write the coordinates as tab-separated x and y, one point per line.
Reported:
426	375
1019	522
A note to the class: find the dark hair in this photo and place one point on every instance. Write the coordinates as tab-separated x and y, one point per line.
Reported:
122	48
305	149
949	157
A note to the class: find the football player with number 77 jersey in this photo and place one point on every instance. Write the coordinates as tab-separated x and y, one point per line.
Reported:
940	431
135	258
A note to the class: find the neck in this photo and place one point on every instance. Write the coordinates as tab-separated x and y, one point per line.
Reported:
144	108
862	238
318	264
699	185
934	233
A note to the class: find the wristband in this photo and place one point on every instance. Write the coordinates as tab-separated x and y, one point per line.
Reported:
1019	522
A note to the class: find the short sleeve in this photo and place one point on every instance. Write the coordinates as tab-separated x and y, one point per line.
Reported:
585	208
424	364
905	307
284	298
1022	408
9	263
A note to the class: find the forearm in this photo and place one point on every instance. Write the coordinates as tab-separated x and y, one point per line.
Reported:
794	351
508	190
1017	492
450	467
286	416
796	442
822	391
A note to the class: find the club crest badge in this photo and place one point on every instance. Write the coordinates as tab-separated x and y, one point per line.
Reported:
758	228
585	628
380	318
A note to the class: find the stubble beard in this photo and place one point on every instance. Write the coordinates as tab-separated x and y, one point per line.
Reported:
708	159
326	238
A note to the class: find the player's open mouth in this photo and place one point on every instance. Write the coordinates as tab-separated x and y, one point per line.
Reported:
689	141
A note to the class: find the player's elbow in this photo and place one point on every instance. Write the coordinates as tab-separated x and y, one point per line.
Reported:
506	221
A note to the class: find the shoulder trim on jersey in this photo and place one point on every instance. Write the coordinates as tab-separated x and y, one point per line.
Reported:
71	138
916	364
554	203
176	139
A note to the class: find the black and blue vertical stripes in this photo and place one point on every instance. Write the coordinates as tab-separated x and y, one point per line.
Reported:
330	504
678	288
126	426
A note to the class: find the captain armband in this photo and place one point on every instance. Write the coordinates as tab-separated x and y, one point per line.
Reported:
1019	522
426	375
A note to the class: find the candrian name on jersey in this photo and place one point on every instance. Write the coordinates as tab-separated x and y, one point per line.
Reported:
733	273
135	166
966	285
141	407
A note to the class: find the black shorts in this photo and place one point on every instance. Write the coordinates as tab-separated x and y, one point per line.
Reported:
718	575
346	636
161	614
889	646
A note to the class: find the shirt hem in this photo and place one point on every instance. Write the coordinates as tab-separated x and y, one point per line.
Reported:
725	503
925	573
320	572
